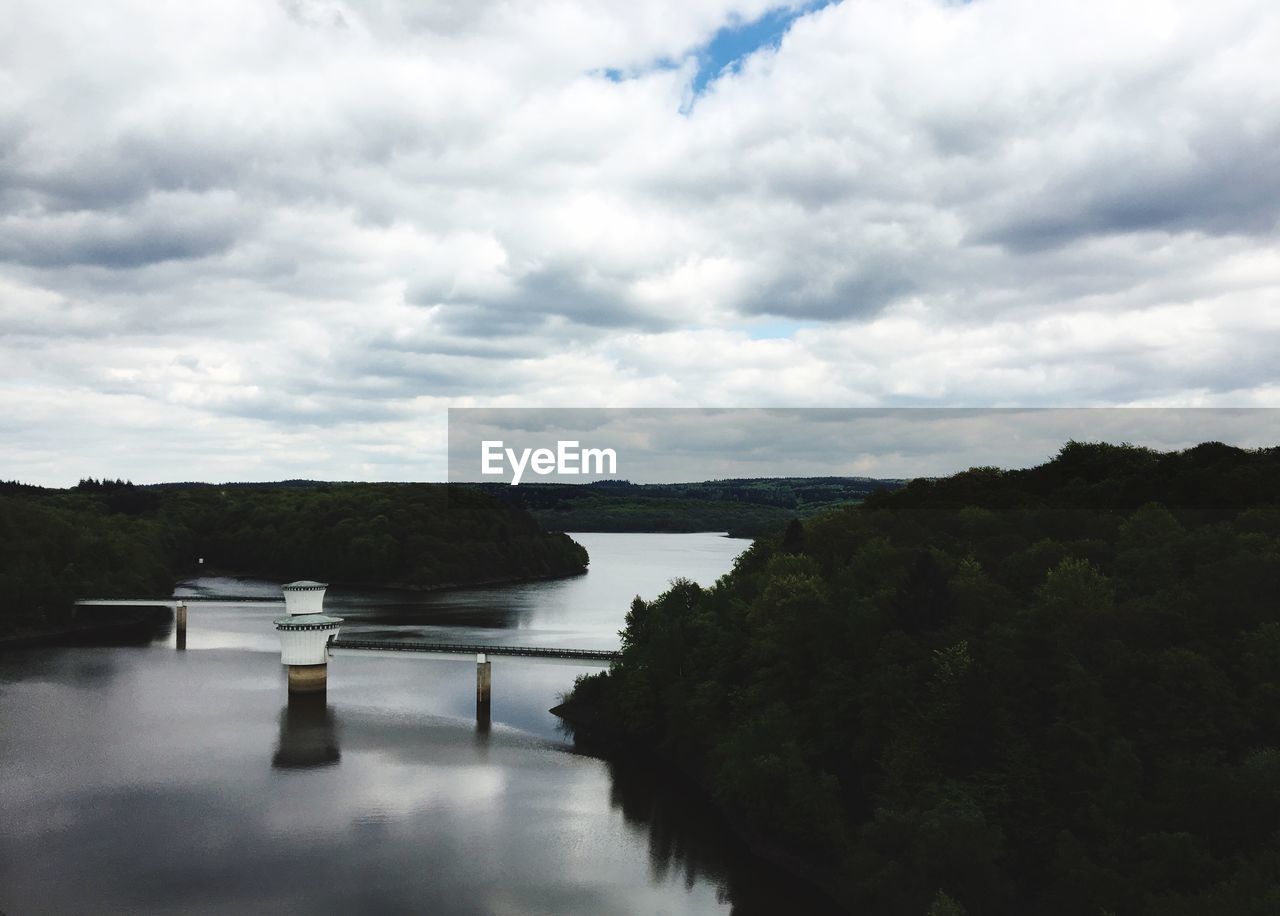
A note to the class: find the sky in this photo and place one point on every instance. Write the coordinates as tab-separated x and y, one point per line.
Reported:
252	240
686	444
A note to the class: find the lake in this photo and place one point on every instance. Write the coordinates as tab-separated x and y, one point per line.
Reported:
140	779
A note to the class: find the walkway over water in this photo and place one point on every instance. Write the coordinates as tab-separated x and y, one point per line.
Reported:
397	645
351	643
175	600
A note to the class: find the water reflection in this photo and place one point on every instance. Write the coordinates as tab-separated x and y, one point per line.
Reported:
147	781
143	774
117	626
690	842
308	734
584	611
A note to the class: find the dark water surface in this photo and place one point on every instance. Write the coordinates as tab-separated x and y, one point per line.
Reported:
146	780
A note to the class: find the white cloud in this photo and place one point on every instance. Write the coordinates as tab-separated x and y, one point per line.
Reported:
304	229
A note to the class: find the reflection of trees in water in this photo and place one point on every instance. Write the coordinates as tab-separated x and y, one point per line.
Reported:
117	626
681	836
385	613
688	837
308	733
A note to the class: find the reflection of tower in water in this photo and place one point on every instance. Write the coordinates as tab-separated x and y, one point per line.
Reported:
308	733
484	679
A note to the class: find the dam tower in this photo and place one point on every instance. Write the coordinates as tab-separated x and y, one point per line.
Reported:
305	634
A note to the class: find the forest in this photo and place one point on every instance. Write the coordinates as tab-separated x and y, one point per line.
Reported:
1053	690
111	538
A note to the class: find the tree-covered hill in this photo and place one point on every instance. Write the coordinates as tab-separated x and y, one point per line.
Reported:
745	507
106	538
56	546
1046	691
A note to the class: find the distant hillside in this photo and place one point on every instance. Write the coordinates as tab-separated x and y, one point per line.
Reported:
292	484
746	507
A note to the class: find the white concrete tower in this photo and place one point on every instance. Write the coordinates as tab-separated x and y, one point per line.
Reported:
305	633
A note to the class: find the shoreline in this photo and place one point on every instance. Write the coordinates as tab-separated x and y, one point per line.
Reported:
391	586
601	742
68	633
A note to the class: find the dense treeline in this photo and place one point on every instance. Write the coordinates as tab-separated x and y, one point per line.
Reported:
110	538
414	535
1052	691
605	513
745	507
57	546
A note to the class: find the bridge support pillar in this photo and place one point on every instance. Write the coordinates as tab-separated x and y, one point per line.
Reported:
180	620
484	681
308	678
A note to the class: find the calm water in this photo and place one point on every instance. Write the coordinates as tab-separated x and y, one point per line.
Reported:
142	779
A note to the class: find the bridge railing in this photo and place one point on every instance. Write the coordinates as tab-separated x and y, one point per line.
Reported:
384	645
175	600
395	645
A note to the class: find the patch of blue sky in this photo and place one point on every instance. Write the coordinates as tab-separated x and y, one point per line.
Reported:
615	75
737	41
730	46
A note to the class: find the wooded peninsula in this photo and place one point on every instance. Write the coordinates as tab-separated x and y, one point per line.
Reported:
111	538
1051	691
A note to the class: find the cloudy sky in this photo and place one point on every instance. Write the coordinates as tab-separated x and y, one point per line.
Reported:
252	240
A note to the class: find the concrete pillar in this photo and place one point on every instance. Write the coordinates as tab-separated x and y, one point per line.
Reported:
308	678
484	680
180	618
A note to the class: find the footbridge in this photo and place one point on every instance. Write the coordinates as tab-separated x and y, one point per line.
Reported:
305	621
175	601
447	648
179	604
